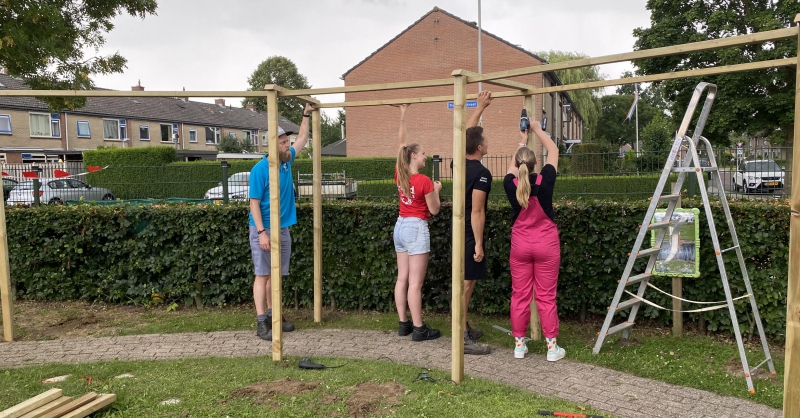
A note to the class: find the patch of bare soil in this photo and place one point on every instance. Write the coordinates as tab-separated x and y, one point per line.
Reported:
367	398
734	368
263	392
58	320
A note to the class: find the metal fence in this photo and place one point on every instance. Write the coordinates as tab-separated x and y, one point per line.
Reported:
750	174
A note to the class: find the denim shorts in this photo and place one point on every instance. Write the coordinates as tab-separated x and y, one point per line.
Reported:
261	259
411	235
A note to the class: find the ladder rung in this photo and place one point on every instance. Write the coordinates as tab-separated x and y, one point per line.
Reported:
728	249
760	364
692	169
627	304
658	225
648	252
617	328
669	197
639	278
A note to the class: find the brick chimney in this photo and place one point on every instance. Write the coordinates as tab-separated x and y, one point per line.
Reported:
219	102
251	107
138	87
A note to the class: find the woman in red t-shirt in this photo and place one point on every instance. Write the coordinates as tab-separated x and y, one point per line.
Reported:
419	198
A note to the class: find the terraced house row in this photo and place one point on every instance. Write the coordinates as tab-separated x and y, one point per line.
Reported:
30	132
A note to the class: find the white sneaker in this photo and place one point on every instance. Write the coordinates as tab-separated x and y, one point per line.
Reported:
520	350
555	355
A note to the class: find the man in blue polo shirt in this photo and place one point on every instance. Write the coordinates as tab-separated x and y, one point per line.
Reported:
260	218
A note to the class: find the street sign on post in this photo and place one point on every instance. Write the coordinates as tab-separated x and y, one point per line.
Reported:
471	104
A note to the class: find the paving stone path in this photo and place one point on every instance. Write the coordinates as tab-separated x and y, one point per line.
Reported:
606	390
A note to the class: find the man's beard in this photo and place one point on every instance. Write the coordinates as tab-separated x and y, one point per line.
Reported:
285	156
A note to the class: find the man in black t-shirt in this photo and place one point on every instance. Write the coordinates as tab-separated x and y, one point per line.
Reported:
478	186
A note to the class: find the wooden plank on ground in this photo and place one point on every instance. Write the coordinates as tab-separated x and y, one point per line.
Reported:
37	413
31	404
99	403
83	400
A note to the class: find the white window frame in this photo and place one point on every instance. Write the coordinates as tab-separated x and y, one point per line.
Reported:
49	123
255	138
232	135
117	130
55	125
88	129
123	129
247	135
217	135
169	140
10	128
147	127
193	131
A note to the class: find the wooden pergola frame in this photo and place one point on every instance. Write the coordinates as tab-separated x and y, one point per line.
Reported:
460	80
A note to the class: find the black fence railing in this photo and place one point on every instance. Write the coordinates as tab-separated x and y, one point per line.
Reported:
752	174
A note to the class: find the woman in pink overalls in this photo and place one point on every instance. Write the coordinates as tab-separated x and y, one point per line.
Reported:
535	248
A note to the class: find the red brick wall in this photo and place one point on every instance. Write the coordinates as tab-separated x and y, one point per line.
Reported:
432	49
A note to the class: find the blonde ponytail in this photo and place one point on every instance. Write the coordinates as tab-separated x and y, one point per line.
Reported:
403	167
526	161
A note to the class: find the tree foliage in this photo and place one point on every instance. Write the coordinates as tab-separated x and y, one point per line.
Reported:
283	72
658	135
230	144
612	126
44	42
753	102
584	99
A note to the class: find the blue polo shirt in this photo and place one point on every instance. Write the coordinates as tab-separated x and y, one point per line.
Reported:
259	189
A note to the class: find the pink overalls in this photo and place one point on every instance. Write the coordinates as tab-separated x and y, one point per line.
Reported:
535	259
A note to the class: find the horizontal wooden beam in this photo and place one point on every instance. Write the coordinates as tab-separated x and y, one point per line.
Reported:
592	85
501	82
773	35
118	93
369	87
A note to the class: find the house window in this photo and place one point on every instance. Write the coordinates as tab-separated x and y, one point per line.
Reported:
232	135
83	129
5	125
255	139
40	124
55	125
123	130
247	136
212	135
192	135
111	129
144	132
166	133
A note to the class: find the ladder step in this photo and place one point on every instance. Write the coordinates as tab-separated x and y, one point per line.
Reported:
669	197
728	249
648	252
627	304
658	225
617	328
692	169
638	278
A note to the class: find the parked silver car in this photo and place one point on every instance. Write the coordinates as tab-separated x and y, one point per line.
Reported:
57	191
238	188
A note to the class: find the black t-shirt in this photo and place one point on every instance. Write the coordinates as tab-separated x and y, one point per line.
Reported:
543	192
478	178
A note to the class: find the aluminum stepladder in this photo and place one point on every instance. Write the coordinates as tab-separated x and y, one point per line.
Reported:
690	164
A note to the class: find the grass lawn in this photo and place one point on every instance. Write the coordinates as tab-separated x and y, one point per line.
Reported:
257	387
702	362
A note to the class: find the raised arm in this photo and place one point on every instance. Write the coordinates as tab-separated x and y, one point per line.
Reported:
484	100
512	165
549	145
401	136
302	136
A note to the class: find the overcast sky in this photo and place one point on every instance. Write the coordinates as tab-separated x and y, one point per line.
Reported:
216	45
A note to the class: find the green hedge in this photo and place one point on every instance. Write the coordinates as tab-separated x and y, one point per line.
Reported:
140	156
124	254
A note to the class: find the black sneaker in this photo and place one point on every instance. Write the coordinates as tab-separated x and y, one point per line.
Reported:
474	333
405	328
264	331
287	326
471	347
425	333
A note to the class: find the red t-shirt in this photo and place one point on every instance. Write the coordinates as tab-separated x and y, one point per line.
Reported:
415	207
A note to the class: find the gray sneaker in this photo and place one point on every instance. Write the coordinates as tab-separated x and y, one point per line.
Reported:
473	348
264	331
474	333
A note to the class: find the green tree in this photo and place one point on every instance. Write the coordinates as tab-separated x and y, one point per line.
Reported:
754	102
658	135
283	72
229	143
650	93
585	100
331	131
44	42
612	126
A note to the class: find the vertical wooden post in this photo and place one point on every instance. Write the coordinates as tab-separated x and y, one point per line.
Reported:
316	142
459	196
530	107
5	278
791	388
275	224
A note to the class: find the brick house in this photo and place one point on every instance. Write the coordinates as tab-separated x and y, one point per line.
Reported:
29	132
431	48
